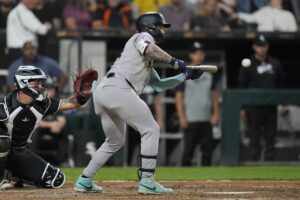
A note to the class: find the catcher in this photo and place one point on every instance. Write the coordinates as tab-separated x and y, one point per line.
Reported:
21	111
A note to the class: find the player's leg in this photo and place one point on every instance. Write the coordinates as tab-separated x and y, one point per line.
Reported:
255	130
137	114
190	143
4	151
270	130
114	130
206	143
27	167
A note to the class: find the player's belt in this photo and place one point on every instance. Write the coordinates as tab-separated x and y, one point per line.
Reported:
112	74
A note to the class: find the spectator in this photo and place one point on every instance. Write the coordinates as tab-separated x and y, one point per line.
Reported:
178	14
5	7
197	105
76	15
209	19
113	14
271	18
51	137
149	5
22	26
30	57
47	12
265	72
227	10
227	6
250	6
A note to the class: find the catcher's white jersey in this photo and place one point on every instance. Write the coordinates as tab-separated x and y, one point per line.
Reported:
132	64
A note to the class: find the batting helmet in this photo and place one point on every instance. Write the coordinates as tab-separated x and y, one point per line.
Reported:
24	75
151	22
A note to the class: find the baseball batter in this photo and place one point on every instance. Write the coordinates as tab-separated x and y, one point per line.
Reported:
117	100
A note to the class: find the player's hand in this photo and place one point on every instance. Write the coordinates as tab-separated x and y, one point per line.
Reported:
183	122
243	114
214	119
193	74
178	64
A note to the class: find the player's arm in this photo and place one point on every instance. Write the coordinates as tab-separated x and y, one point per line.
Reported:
180	109
69	104
215	107
156	53
164	84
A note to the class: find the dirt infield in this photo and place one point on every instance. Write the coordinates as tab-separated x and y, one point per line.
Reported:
182	190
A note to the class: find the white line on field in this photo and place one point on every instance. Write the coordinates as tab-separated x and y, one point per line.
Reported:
250	192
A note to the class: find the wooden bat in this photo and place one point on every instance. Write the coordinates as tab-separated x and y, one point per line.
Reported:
205	68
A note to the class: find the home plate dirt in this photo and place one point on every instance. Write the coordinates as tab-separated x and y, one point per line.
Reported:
259	190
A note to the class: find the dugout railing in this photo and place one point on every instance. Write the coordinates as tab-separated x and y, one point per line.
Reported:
233	100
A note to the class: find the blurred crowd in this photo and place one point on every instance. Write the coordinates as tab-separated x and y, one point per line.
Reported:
210	15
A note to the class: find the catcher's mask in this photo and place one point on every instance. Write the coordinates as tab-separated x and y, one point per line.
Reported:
151	23
31	80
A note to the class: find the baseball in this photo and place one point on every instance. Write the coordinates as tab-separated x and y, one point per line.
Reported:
246	62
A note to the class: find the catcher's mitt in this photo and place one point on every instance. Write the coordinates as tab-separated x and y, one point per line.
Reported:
82	85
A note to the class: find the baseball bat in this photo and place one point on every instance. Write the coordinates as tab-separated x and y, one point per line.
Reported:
205	68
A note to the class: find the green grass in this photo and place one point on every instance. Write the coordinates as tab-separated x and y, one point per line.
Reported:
196	173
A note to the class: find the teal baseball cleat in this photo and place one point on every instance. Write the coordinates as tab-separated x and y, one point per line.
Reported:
149	186
86	185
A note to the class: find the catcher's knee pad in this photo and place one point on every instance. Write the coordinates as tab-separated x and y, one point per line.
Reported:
4	146
52	177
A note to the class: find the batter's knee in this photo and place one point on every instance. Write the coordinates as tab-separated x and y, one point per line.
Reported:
155	130
152	132
4	146
116	145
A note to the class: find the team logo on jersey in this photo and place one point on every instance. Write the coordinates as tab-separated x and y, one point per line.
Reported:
25	119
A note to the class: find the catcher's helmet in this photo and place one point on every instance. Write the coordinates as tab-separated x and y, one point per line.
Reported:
151	22
24	75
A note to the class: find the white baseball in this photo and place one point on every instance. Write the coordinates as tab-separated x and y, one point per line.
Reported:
246	62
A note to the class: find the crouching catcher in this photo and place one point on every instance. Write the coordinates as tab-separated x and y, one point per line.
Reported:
21	111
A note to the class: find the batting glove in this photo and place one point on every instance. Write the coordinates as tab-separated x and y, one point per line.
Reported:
193	74
178	64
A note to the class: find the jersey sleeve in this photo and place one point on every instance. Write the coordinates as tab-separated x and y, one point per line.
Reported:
142	41
54	105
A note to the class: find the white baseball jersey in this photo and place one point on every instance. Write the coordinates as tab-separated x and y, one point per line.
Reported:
132	64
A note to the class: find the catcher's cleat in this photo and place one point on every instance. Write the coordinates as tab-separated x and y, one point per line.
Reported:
86	185
5	184
149	186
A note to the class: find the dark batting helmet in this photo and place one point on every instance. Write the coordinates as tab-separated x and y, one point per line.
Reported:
151	22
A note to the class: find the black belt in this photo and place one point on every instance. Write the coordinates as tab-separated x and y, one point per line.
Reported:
112	74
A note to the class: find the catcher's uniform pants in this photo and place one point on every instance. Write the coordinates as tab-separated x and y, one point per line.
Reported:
27	167
117	104
24	164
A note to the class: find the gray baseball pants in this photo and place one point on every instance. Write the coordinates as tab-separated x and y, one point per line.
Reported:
118	104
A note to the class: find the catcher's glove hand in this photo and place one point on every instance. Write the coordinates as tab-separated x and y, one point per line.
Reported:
82	85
